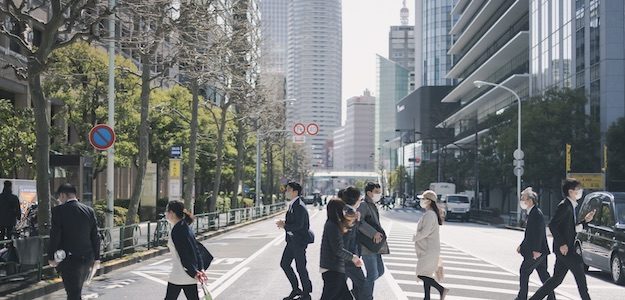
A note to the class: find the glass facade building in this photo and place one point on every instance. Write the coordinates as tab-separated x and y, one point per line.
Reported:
274	18
579	44
314	66
432	60
392	85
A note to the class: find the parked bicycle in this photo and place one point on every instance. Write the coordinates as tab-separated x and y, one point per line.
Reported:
161	232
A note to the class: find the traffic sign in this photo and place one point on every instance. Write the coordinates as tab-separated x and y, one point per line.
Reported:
518	171
299	129
299	139
176	151
518	154
101	137
312	129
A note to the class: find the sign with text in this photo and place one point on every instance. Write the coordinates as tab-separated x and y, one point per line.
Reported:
590	181
174	190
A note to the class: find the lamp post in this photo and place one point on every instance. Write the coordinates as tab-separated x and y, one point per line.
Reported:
518	153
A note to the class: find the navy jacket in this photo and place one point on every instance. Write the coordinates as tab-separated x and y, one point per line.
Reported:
535	236
297	225
186	246
75	230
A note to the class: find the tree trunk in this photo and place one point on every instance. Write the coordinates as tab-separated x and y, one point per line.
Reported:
143	144
188	188
212	203
238	170
42	150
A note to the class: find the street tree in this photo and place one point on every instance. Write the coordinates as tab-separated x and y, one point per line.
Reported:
17	139
38	28
77	78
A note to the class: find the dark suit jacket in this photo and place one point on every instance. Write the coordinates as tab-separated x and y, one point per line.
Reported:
297	224
562	226
186	246
9	209
75	230
535	237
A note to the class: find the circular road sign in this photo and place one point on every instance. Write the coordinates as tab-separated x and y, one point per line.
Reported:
518	171
518	154
299	129
312	129
102	137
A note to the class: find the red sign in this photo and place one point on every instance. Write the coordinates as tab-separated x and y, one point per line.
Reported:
299	129
101	137
312	129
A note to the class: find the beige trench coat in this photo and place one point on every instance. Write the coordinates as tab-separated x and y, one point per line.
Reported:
427	244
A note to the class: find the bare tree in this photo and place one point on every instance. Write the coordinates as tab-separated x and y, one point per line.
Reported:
57	24
147	30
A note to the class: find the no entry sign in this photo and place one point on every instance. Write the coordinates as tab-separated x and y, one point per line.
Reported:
102	137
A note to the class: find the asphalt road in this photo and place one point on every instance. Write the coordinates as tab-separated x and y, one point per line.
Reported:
480	263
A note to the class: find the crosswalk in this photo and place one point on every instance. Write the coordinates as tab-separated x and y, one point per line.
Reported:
466	276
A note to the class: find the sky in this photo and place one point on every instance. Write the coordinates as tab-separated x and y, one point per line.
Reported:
366	24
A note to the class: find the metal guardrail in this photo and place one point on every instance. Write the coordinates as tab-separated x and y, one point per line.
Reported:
120	240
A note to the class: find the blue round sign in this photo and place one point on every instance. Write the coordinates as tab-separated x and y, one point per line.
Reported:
102	137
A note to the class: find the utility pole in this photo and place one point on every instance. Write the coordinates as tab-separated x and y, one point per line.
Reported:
110	164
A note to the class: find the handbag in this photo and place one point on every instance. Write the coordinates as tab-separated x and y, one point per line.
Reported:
366	241
207	294
205	256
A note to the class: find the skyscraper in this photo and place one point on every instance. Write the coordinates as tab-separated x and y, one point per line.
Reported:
353	143
314	66
274	19
433	39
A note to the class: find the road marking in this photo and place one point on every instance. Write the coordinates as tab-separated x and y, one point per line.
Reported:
465	287
436	296
227	261
160	262
227	283
399	293
157	280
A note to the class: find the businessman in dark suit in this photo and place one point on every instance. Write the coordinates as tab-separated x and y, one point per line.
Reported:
75	231
564	226
534	248
298	236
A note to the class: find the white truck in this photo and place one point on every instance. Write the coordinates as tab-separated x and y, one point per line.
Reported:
451	203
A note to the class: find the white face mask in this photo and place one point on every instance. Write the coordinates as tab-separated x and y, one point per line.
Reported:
523	205
376	197
579	194
424	203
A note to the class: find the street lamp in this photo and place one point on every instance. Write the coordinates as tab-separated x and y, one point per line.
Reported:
518	153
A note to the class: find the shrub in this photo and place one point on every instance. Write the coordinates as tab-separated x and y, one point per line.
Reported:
119	215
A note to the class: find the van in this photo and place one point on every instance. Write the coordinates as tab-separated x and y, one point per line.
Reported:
456	205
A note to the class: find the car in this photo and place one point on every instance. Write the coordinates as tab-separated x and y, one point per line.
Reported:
456	205
309	199
602	242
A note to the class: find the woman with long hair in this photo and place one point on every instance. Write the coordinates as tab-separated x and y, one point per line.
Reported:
428	245
186	271
333	253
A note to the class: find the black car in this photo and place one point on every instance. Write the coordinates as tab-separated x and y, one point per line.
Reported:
602	242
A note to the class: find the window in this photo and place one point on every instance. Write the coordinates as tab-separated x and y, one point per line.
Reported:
606	215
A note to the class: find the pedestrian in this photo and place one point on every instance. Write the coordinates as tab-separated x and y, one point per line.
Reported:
351	197
298	236
186	269
427	245
333	252
74	247
370	229
10	211
564	227
534	248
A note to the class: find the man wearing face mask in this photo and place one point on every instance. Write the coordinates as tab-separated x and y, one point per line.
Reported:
534	248
564	226
370	228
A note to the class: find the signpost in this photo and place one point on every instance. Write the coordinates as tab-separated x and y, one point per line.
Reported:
590	181
175	179
102	137
312	129
299	129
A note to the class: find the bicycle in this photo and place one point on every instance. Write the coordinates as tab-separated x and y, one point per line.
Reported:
161	231
105	239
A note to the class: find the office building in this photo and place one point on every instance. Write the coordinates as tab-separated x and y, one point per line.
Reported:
354	142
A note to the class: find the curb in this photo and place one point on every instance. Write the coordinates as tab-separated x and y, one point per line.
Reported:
514	228
43	288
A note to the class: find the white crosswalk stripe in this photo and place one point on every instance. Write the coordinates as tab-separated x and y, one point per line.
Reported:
466	276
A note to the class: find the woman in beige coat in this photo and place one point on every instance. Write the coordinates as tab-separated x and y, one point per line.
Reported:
428	245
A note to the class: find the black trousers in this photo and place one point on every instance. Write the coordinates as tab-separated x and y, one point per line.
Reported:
296	252
528	266
335	286
358	280
6	232
173	290
74	272
572	262
429	282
